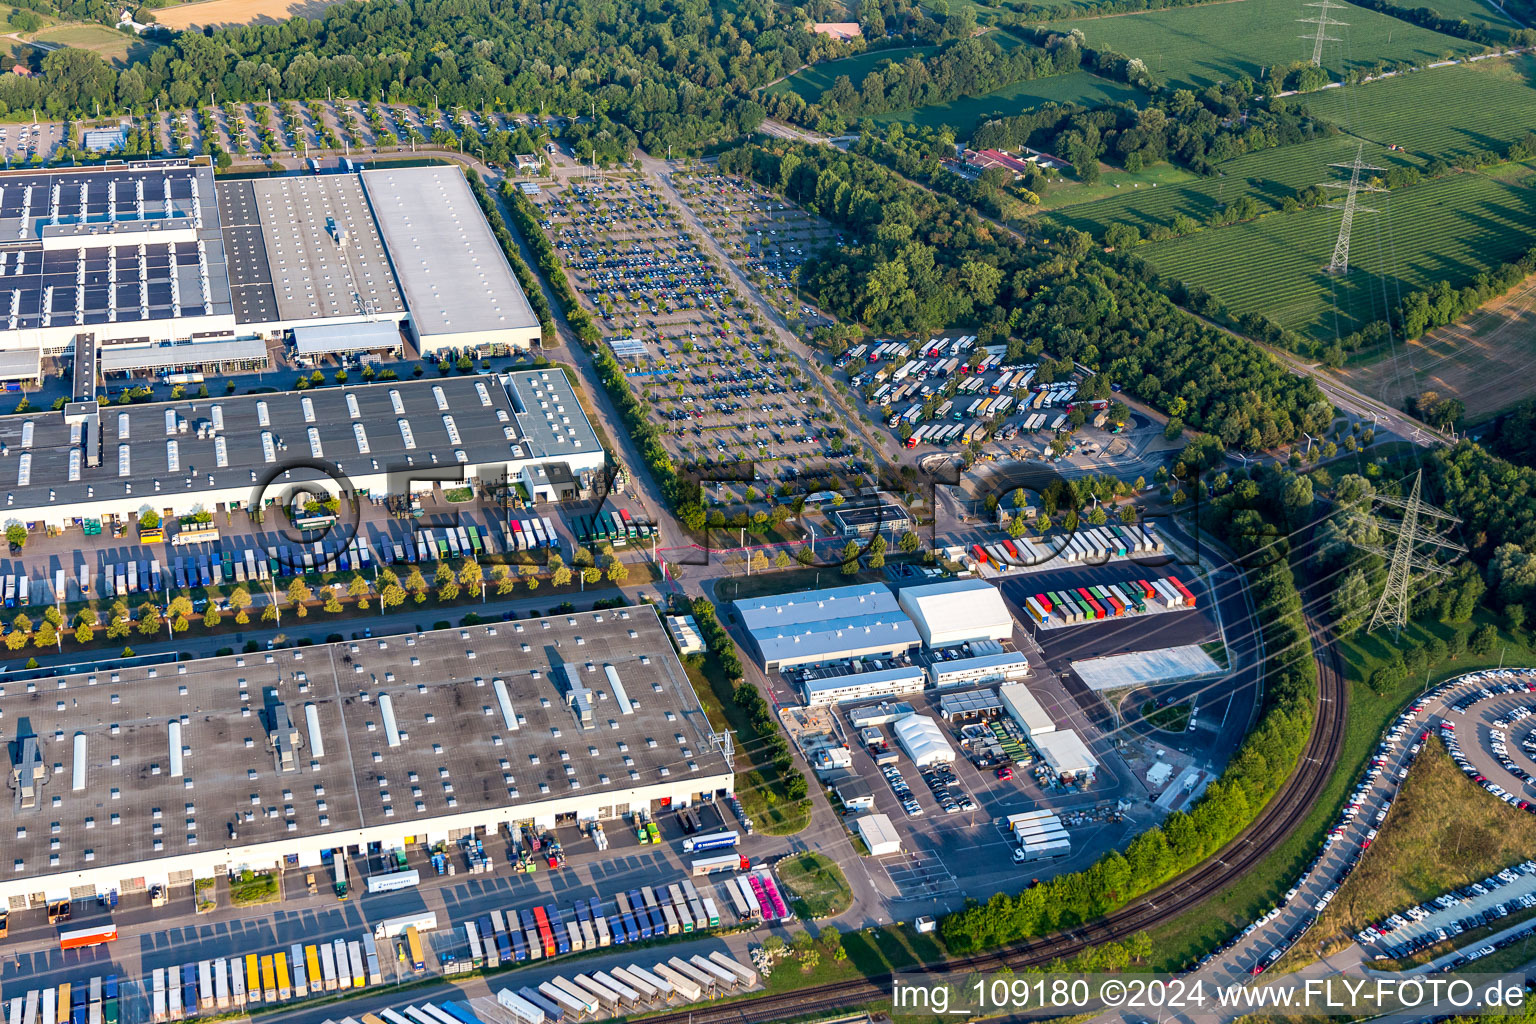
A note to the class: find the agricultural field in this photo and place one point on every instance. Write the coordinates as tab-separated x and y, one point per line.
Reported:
1446	229
1195	47
1270	176
811	82
1439	111
108	43
966	113
222	13
1483	359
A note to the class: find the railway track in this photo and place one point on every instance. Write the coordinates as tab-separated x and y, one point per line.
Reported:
1272	827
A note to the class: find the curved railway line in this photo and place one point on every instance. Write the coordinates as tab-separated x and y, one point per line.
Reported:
1272	827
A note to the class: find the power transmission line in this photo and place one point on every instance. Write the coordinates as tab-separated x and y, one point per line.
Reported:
1339	265
1419	527
1323	23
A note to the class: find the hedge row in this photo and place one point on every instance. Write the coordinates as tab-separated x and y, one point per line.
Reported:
525	275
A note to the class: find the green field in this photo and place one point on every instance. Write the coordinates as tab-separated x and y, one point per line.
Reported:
1441	111
1269	175
965	114
110	44
1447	229
1195	47
811	82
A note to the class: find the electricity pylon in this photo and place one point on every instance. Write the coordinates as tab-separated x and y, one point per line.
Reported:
1404	558
1323	23
1340	263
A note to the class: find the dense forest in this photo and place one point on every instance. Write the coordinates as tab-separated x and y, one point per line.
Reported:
973	66
926	263
681	73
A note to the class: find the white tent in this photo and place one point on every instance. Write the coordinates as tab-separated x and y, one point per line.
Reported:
956	612
1026	709
878	834
1065	753
923	740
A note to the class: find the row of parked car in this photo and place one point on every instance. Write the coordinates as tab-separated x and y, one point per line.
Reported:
903	792
1448	735
1381	933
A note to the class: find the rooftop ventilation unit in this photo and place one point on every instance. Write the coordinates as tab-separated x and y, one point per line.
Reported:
314	443
504	701
394	400
268	448
620	695
361	436
174	737
442	398
405	433
352	409
28	773
483	392
285	739
24	470
316	738
221	452
122	460
308	405
27	429
77	777
391	727
263	416
218	417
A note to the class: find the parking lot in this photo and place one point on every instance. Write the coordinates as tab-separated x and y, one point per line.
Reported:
699	355
768	237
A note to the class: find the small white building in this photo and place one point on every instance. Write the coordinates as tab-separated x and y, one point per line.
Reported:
878	834
1066	755
988	668
1022	706
957	612
924	742
840	689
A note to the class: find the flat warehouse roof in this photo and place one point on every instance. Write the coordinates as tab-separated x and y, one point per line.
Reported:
311	741
323	248
339	337
72	243
454	275
116	358
365	431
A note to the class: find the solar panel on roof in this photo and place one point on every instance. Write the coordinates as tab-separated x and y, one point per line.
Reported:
362	438
173	456
394	400
314	443
262	416
221	452
405	433
268	449
122	460
24	470
452	428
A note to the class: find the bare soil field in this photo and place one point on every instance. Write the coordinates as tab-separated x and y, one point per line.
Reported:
1485	359
221	13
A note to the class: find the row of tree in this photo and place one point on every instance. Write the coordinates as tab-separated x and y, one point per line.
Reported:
973	66
767	743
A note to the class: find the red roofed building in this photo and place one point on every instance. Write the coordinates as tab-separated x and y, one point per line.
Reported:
842	31
997	158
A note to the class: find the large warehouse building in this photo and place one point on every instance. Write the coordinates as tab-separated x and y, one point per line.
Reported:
252	450
858	621
957	612
152	265
129	778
